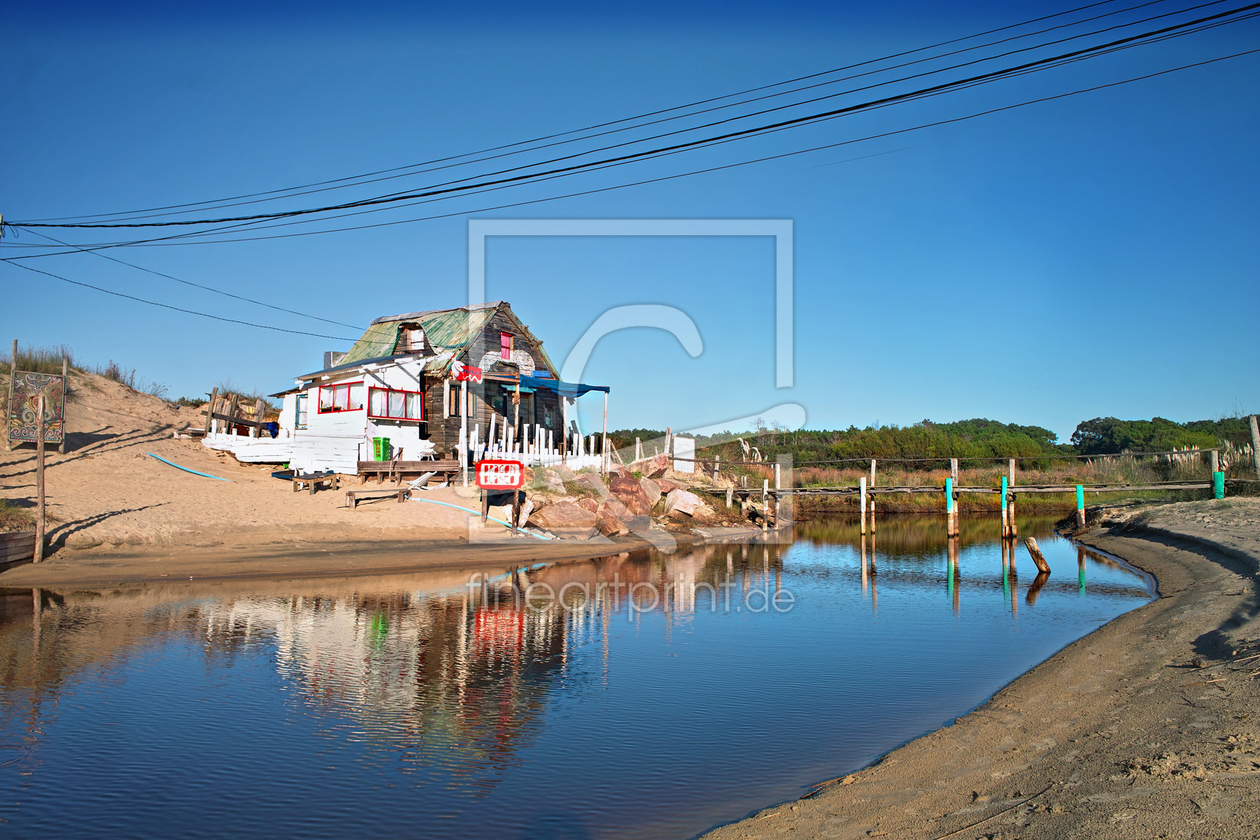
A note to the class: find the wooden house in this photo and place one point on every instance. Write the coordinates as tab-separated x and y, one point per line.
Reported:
398	382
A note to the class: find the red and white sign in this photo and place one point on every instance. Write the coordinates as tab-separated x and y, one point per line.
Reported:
466	373
500	475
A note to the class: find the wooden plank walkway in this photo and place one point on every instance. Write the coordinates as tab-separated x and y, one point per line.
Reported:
1016	489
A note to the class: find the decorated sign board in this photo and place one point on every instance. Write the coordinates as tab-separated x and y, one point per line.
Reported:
500	475
23	406
466	373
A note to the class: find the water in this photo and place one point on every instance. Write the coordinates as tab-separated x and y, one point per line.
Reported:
422	706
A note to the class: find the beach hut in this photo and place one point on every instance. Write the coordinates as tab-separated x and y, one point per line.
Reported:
441	384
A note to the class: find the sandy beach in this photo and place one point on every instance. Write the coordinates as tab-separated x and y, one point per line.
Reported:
1145	728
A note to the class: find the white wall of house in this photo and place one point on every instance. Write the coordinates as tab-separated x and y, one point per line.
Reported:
337	440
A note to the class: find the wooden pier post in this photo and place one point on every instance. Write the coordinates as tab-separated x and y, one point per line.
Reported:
765	503
951	512
1080	506
730	496
872	515
1038	559
39	478
1216	461
953	469
862	503
872	472
1010	500
717	462
1006	531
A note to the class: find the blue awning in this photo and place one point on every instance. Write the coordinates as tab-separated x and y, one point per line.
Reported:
564	389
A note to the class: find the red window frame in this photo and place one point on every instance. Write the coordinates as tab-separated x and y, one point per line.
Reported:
335	409
505	346
387	391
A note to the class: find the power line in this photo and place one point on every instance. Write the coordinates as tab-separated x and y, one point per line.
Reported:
512	205
175	308
196	285
757	89
457	187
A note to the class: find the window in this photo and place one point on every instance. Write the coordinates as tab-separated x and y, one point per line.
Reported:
388	404
301	410
505	346
338	398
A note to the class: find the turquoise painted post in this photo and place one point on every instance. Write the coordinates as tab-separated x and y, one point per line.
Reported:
1218	485
1002	505
1080	497
949	495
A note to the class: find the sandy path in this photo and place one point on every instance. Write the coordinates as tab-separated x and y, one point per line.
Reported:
1146	728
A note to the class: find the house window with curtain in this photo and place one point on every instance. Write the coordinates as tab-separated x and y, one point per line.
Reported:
301	411
333	398
390	404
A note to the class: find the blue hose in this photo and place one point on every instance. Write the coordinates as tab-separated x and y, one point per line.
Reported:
475	513
185	469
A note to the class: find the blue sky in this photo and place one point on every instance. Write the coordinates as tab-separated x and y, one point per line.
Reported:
1088	256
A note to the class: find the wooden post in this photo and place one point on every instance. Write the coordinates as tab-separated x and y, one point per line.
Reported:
669	446
1037	557
730	496
258	417
1080	506
564	430
638	449
516	509
4	409
604	448
1010	504
777	477
953	469
717	462
1255	435
862	503
872	515
39	477
765	503
1002	509
485	505
951	525
65	391
872	472
1216	461
464	444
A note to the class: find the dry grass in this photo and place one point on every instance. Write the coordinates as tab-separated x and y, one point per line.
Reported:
15	518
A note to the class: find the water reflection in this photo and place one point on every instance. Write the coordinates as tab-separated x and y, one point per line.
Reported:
605	698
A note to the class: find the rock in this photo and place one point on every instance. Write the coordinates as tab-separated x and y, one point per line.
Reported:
589	504
594	482
703	514
667	485
681	501
551	481
565	518
652	467
609	524
527	510
629	492
652	490
79	542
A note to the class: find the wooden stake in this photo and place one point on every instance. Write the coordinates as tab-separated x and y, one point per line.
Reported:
872	472
1037	557
717	462
39	479
8	445
1255	435
604	448
730	496
1080	506
65	390
953	469
1216	461
862	502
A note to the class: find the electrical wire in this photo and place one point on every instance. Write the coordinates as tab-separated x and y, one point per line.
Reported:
165	240
456	187
175	308
197	285
358	178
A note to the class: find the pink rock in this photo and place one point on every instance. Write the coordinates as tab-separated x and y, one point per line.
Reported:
681	501
628	491
652	490
565	518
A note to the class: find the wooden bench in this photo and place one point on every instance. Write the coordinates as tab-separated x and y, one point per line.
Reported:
313	480
397	469
353	496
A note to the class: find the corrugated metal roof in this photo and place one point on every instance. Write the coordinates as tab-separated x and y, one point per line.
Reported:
379	340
